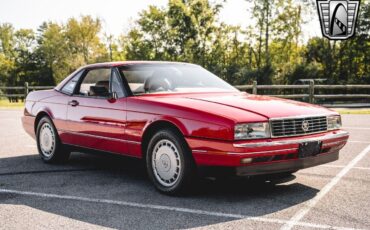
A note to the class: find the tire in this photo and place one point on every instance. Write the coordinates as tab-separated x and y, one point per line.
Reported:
169	163
51	150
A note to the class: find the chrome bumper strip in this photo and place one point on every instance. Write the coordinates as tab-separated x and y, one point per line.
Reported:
264	152
286	142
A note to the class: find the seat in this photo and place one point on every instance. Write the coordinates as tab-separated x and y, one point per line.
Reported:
159	81
101	89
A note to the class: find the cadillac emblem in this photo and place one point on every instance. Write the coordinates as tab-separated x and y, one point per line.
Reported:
305	126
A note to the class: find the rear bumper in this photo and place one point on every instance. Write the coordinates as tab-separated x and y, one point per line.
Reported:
278	154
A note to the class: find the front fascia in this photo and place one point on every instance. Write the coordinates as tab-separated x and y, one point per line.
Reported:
230	154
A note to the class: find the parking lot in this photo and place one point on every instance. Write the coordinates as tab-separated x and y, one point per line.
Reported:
93	191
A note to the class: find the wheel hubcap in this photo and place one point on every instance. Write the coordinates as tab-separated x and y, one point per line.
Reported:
166	163
47	140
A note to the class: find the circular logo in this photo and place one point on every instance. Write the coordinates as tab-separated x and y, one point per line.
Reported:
165	163
305	126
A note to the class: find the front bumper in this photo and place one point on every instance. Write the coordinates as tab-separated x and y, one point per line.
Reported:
28	123
265	154
286	166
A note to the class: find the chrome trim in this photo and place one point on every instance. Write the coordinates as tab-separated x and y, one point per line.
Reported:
247	153
299	135
100	137
333	143
270	151
286	142
199	151
298	117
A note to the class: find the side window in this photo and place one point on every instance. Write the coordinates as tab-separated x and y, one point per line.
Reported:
70	86
117	85
95	83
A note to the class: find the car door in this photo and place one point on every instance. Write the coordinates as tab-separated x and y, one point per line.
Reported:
96	113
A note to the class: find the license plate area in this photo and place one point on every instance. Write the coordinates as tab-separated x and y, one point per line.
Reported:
309	149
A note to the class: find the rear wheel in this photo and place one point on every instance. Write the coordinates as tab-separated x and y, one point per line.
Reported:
169	162
49	146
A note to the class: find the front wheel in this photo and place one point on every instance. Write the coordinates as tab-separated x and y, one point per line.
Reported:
49	146
169	162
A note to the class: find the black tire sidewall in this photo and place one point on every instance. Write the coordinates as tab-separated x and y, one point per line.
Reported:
187	165
55	156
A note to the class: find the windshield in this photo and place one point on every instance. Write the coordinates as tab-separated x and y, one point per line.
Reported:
172	78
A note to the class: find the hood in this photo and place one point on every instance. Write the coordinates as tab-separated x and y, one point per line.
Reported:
268	107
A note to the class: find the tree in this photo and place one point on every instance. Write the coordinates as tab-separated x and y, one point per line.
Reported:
263	12
7	62
52	52
83	39
270	51
153	24
354	56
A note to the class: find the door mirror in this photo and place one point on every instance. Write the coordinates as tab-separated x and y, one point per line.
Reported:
113	96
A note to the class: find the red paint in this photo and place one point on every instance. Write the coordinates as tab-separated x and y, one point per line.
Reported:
206	120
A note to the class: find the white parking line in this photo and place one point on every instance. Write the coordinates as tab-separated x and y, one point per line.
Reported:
170	208
307	206
360	142
342	166
357	128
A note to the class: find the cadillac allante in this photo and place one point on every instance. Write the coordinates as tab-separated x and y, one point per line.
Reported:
180	120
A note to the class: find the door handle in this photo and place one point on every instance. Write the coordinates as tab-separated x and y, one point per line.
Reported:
73	103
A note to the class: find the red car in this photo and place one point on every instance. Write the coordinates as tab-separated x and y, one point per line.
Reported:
179	118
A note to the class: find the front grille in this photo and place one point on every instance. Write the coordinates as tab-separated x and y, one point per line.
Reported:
298	126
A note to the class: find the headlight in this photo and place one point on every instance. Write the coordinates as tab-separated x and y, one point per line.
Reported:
334	122
252	131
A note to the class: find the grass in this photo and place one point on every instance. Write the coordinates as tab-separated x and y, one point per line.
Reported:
354	111
4	103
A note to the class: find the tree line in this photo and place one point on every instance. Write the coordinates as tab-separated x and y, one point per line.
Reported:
270	51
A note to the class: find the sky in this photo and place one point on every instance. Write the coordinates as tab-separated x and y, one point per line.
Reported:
117	15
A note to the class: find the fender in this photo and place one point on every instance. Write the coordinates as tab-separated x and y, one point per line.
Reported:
194	128
163	118
44	109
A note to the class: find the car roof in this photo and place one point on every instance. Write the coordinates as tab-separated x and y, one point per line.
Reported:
123	63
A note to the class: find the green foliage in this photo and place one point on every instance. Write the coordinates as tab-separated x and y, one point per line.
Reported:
270	51
45	57
310	71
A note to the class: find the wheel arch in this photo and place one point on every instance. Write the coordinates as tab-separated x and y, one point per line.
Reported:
153	127
40	115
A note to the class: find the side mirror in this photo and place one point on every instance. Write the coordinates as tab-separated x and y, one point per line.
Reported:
113	96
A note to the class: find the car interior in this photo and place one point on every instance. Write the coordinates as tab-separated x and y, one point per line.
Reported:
100	89
141	82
